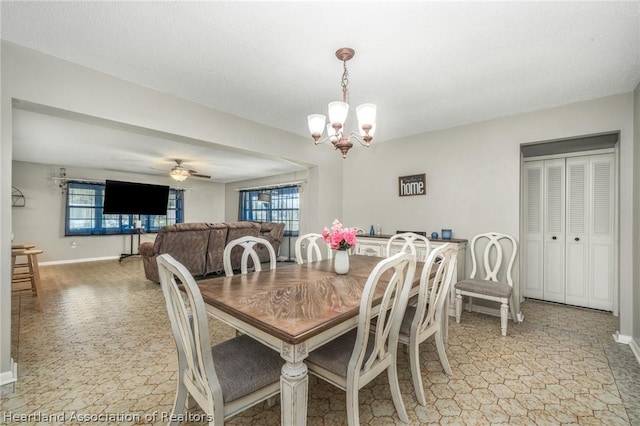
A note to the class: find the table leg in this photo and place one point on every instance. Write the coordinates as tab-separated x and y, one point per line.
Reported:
294	385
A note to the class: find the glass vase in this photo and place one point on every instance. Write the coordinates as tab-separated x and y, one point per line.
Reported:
341	262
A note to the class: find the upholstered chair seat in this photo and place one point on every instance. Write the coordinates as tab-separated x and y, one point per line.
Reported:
244	366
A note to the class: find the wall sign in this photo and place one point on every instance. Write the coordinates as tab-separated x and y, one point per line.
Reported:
412	185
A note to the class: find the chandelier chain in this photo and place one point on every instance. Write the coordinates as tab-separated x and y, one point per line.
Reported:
345	81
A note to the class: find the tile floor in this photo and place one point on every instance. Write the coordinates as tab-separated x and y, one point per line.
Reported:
102	353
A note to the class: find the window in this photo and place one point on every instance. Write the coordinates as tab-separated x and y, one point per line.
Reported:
85	217
284	207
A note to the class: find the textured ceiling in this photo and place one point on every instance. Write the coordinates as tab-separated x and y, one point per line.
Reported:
427	65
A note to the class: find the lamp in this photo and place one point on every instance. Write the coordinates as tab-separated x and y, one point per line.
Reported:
179	173
338	115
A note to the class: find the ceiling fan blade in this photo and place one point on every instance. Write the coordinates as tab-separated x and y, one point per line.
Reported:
200	176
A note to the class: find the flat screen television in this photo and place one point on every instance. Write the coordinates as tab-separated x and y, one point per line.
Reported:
135	198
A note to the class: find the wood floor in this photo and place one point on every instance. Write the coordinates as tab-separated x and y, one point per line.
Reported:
103	349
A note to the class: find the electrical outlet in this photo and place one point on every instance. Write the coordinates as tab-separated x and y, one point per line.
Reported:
73	244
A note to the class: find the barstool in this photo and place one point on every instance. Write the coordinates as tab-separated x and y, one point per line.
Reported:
27	271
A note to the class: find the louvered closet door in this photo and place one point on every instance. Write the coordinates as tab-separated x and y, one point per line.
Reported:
577	253
554	230
601	232
532	250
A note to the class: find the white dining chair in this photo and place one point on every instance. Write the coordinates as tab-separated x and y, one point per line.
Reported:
498	254
427	317
359	356
408	241
315	249
248	243
223	379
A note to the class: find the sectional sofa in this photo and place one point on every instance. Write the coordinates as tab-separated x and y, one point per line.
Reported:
199	246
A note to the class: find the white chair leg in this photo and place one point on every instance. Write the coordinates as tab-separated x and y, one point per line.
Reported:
504	313
392	371
444	322
272	401
179	404
458	307
442	353
469	304
353	409
416	374
514	315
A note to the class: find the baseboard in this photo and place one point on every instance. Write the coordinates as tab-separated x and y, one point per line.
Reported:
635	348
89	259
10	376
621	338
628	340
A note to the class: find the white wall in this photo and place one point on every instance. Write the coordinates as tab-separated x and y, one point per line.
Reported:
636	222
42	219
473	177
31	76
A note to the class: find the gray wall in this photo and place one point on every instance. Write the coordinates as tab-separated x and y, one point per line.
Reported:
473	177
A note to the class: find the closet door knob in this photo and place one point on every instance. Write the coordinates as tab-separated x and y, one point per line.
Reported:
577	239
554	238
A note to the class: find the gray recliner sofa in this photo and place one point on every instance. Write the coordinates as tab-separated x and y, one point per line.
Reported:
200	246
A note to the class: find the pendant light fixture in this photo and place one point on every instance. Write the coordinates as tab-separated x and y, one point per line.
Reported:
338	112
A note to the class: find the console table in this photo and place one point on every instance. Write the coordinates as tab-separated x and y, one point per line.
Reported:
376	245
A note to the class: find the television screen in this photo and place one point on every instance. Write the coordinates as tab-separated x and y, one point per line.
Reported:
135	198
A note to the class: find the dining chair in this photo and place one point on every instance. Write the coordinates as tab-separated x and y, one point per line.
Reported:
427	317
408	241
248	243
498	254
223	379
314	250
357	357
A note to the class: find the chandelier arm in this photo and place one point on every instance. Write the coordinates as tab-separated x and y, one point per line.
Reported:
323	140
357	136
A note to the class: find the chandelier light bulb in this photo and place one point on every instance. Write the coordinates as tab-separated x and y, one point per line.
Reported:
316	125
366	115
338	113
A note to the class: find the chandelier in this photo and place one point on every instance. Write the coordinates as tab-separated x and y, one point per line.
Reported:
338	115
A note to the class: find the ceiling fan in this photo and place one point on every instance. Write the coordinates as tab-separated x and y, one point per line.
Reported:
180	174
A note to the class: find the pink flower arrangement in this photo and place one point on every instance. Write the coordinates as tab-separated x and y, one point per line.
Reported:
339	238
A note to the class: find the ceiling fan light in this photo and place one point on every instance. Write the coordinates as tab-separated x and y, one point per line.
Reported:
179	174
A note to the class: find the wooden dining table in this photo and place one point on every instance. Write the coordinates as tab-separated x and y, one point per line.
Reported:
293	309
